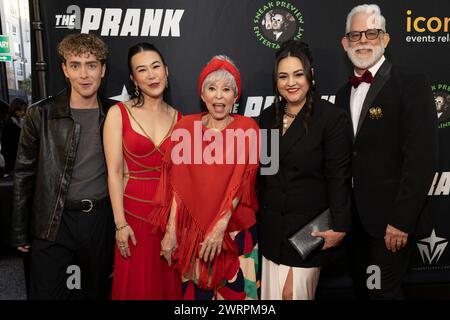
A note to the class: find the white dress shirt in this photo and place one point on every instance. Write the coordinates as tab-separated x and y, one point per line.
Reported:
358	95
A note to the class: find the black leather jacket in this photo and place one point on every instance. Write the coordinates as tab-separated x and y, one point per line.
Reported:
45	159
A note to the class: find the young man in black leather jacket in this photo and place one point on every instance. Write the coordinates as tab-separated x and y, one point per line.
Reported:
62	210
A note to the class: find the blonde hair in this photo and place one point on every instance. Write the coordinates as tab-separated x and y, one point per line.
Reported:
82	43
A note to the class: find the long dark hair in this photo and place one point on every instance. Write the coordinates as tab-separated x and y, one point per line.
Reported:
17	104
300	50
137	48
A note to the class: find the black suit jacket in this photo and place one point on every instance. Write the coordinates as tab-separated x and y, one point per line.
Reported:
445	116
283	37
394	153
314	174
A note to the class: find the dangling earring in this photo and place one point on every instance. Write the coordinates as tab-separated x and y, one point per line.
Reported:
136	91
313	82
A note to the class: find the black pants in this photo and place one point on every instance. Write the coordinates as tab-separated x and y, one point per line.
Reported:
367	251
84	240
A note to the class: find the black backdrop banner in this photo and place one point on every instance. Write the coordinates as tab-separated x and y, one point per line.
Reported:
189	33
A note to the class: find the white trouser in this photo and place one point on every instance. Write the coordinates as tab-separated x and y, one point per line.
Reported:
273	279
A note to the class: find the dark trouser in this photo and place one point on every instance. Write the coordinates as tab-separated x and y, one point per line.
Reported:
85	240
27	270
367	251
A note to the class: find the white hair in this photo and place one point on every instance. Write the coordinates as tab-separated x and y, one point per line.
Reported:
372	9
221	75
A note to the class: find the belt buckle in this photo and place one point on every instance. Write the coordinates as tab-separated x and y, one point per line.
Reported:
91	205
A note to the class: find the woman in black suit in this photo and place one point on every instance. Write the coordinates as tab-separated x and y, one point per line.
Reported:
314	174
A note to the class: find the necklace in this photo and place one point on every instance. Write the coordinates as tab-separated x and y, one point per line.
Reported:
145	132
286	115
210	126
289	114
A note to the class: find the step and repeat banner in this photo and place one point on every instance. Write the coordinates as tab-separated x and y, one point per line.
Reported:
189	33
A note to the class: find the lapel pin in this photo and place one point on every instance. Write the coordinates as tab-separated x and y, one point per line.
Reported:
375	113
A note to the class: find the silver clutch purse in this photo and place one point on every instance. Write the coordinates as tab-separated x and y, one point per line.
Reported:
304	242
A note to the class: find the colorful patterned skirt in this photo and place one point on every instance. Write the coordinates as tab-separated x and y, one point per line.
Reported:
245	284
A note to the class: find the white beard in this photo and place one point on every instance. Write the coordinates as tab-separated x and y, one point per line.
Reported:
377	53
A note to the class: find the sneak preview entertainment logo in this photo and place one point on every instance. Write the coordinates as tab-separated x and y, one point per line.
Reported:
431	248
277	21
116	22
422	29
441	93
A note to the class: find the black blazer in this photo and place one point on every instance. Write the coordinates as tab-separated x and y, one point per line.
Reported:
395	153
314	174
445	116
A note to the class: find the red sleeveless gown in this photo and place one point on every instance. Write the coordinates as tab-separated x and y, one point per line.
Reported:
145	275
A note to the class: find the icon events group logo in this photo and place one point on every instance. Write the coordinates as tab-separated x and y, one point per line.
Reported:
422	29
277	21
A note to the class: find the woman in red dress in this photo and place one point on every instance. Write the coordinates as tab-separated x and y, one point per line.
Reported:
135	139
207	193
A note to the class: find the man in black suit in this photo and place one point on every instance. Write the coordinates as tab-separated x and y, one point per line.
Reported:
394	156
277	26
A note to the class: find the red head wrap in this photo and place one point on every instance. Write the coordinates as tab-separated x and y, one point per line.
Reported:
217	64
